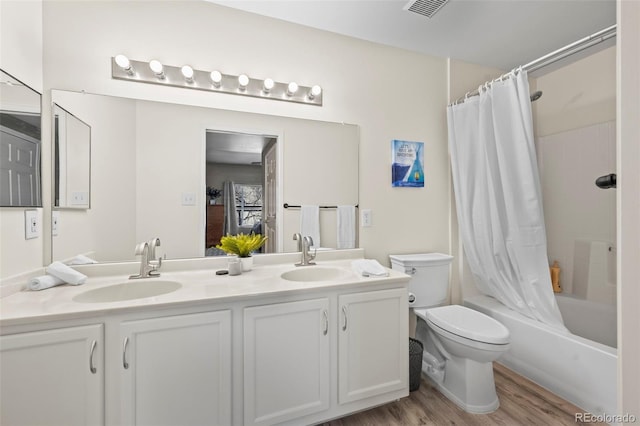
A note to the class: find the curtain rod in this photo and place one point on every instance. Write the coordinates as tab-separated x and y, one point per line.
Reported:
571	49
556	55
291	206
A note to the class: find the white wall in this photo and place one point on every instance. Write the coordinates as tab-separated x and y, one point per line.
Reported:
577	95
628	202
355	75
21	56
218	173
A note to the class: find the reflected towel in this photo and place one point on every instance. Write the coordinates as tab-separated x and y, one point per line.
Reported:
346	227
43	281
81	259
369	268
310	223
66	274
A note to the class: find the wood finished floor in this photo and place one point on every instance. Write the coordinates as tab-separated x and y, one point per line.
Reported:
522	402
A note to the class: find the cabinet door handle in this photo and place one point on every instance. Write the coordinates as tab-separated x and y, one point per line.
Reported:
344	313
92	368
325	318
125	364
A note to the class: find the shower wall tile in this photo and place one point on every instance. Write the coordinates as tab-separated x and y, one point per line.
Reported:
574	207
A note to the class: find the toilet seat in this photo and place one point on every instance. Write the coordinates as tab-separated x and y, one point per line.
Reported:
466	323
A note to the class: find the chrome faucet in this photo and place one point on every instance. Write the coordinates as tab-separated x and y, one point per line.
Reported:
298	237
306	256
153	243
148	264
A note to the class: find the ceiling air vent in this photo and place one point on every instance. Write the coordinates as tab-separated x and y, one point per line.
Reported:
426	8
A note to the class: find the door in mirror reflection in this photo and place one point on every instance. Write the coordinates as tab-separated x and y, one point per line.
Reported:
20	138
236	178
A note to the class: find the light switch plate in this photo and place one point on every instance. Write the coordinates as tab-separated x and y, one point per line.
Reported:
79	198
31	224
365	218
188	199
55	221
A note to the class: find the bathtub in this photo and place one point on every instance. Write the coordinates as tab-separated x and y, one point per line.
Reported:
591	320
577	369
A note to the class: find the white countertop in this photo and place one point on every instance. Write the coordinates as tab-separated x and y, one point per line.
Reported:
198	286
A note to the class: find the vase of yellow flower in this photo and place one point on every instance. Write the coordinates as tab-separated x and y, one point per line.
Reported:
242	245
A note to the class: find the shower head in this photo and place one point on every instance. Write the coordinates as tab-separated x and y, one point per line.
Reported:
536	95
607	181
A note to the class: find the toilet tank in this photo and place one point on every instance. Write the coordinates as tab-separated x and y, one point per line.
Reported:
429	285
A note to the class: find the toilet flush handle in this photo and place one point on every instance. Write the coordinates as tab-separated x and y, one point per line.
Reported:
411	271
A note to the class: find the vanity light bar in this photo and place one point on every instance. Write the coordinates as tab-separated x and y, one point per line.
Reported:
187	77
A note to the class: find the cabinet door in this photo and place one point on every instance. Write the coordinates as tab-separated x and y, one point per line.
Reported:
373	344
177	370
53	377
286	361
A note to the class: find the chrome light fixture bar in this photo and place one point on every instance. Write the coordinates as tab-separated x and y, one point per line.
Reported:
154	72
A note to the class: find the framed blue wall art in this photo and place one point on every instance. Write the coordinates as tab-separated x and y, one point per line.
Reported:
407	164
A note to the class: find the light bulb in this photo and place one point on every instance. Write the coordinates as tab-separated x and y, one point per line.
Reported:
315	91
187	72
157	68
216	78
124	63
267	85
292	88
243	81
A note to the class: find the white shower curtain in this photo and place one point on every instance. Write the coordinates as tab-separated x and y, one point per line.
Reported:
230	224
499	203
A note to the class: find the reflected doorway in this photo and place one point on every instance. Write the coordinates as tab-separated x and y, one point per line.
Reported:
241	173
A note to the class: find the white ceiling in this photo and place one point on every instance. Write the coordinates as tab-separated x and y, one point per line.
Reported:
235	148
497	33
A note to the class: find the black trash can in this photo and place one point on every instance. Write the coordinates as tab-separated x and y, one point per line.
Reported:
415	364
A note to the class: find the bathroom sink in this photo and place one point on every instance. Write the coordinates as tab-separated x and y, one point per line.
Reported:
134	289
314	273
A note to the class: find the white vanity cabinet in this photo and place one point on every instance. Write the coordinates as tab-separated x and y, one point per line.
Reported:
286	361
372	344
249	350
313	360
53	377
176	370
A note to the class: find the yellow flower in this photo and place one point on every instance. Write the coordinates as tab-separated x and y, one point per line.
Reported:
242	244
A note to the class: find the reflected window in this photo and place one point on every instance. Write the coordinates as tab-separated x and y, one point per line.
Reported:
249	205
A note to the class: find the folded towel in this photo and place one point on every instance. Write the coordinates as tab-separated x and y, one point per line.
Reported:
81	259
346	227
369	268
66	274
43	281
310	223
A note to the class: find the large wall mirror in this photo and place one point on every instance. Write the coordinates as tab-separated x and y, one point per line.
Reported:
72	160
170	171
20	142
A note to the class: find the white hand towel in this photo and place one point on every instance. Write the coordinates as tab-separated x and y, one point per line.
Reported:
43	281
66	274
310	223
81	259
346	227
369	268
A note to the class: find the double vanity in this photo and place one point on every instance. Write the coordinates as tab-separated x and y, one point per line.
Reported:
277	345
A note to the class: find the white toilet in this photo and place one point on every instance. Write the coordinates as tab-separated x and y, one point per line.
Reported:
460	344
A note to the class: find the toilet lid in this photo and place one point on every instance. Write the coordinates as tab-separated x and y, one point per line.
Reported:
470	324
